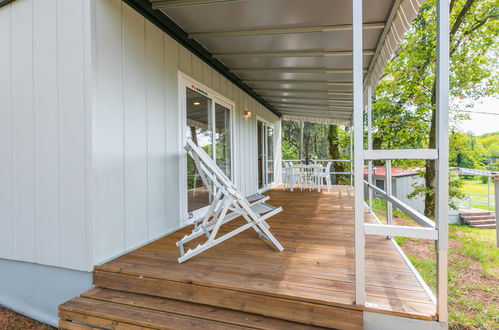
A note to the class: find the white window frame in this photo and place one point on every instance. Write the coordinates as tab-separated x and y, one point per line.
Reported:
184	81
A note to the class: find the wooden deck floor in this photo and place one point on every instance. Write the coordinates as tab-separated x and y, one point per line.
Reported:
311	282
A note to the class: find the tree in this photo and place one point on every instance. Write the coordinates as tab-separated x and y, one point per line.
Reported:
405	100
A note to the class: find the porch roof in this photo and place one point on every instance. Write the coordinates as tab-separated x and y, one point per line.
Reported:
294	56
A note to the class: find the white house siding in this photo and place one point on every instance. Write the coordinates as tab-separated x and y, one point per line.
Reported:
403	186
43	158
136	128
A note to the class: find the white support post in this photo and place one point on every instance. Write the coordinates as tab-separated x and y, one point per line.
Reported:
370	143
442	187
389	206
358	121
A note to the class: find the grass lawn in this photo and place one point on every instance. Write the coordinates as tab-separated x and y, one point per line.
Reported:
476	186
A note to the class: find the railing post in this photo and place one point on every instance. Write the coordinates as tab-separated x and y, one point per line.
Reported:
358	122
370	143
488	193
442	184
389	207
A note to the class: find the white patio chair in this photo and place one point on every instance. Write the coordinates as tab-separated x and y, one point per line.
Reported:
323	174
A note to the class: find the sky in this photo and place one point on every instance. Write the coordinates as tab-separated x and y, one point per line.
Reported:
482	123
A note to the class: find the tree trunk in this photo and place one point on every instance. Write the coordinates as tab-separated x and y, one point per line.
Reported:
377	146
334	148
300	152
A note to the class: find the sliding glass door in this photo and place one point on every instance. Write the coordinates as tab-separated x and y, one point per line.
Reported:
266	164
207	121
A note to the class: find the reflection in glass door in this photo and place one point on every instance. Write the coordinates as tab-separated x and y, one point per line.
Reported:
199	129
208	125
266	162
270	154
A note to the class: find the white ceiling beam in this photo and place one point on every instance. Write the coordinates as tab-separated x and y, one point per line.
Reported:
330	114
307	98
312	106
319	53
293	70
290	30
301	82
286	90
184	3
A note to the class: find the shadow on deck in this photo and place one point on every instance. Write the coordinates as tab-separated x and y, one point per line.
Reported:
244	282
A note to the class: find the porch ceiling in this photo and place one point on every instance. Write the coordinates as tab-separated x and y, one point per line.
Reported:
295	54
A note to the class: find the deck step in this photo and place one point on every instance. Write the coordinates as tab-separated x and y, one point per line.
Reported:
485	226
478	217
266	306
481	222
110	309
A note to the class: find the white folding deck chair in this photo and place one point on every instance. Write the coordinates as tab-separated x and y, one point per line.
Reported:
228	204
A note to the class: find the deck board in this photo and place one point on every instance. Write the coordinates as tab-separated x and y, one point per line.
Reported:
317	265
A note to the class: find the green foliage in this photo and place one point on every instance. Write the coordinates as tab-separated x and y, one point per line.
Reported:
405	99
315	140
465	151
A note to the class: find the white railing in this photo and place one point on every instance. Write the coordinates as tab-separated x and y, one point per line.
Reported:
471	199
315	161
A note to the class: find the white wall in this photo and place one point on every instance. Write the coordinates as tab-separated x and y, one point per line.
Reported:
43	155
136	128
89	130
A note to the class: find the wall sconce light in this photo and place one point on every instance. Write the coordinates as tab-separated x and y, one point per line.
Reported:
247	114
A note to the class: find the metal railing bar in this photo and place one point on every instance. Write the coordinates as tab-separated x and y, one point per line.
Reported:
412	213
413	269
400	154
404	231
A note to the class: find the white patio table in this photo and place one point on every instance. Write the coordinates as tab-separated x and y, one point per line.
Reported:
305	174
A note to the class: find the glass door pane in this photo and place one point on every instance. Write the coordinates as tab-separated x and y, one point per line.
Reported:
261	155
270	154
222	139
199	130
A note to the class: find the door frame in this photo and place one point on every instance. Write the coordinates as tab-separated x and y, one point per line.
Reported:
185	81
266	185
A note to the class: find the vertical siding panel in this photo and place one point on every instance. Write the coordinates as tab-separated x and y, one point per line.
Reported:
206	74
253	153
237	149
72	134
22	104
108	141
185	60
215	85
46	131
197	68
135	126
156	130
244	143
223	86
6	217
172	132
